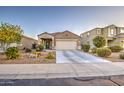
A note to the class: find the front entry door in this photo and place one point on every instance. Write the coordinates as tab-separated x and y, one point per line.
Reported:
48	44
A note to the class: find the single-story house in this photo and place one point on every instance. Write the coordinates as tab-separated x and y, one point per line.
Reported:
26	42
59	40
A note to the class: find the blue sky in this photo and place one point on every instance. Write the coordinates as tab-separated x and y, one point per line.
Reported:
35	20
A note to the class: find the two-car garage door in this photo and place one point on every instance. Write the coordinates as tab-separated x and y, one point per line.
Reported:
66	44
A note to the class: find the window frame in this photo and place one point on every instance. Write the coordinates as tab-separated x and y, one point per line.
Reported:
98	31
88	33
111	32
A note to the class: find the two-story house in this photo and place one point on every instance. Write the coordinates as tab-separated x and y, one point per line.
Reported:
113	35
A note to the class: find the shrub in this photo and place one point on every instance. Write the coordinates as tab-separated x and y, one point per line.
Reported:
37	49
27	50
50	55
116	48
85	47
99	41
12	53
40	47
103	52
93	50
121	56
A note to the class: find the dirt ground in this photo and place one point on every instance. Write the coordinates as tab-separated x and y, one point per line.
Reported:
114	58
25	59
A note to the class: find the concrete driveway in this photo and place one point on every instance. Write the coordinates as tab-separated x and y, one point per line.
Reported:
75	56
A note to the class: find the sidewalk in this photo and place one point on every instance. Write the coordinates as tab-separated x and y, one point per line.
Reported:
48	71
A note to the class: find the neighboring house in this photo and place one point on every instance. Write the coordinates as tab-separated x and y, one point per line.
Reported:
59	40
114	35
26	42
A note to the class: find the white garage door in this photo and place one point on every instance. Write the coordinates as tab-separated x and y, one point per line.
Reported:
62	44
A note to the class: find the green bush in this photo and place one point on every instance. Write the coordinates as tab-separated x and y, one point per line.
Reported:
37	49
40	47
93	50
85	47
50	55
103	52
27	50
121	56
99	41
12	53
116	48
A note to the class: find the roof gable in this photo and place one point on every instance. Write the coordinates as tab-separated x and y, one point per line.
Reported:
45	35
112	25
23	36
66	35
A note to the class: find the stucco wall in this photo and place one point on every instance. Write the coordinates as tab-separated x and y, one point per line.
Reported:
27	42
88	39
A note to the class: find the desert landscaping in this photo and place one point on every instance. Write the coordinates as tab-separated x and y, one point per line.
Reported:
29	58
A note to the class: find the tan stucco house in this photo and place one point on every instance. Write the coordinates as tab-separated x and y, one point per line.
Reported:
26	42
113	34
59	40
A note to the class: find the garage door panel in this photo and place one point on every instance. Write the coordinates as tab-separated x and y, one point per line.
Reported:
66	44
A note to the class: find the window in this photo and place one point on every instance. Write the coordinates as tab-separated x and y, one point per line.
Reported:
122	30
98	31
88	34
111	32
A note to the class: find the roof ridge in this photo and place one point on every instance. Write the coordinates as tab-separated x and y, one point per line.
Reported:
29	37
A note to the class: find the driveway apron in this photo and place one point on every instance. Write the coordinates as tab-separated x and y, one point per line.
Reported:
75	56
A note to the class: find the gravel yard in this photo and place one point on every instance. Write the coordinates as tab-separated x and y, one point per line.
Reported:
26	59
114	58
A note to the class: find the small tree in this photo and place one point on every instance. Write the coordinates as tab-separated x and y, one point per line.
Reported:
40	47
12	53
85	47
103	52
99	41
9	34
